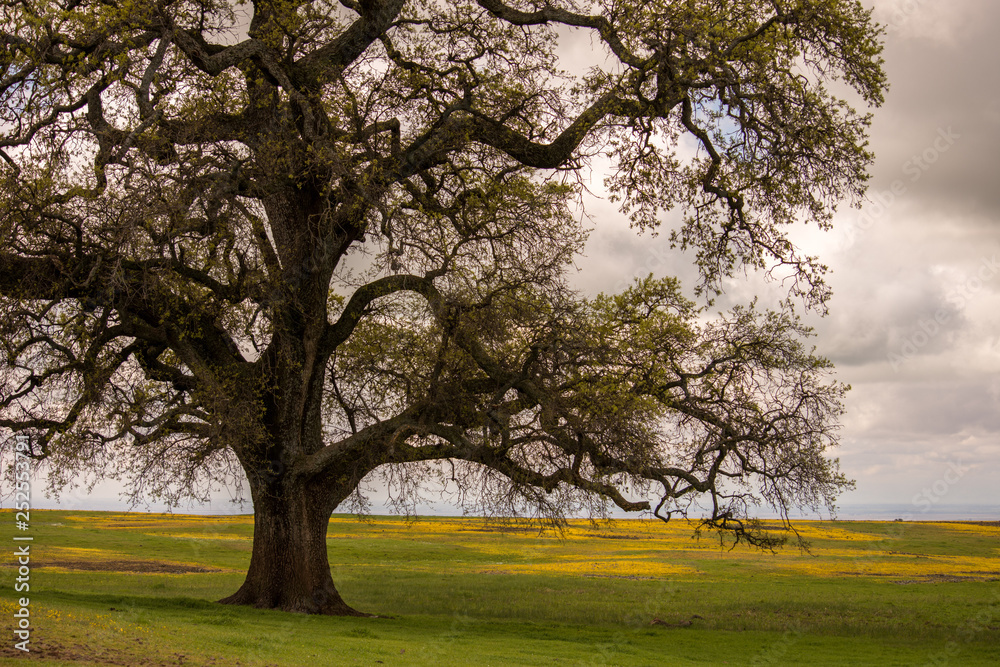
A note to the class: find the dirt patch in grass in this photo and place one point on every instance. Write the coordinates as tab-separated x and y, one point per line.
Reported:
142	566
49	649
501	528
948	578
932	578
46	648
630	577
988	524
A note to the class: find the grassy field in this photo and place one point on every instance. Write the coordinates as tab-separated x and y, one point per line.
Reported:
131	589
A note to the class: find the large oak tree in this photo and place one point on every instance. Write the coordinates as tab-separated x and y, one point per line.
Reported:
314	241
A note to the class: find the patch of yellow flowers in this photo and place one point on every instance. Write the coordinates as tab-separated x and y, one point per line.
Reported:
647	549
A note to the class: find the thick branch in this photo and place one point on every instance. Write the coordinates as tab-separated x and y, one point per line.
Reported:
556	15
341	330
331	59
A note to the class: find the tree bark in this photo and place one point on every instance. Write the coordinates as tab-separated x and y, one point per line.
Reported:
289	568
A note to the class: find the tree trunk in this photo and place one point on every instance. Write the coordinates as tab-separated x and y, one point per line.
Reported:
289	568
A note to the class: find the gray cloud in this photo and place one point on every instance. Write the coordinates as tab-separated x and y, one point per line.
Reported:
943	81
909	313
927	408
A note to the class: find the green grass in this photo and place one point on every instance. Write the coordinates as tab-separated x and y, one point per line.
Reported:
458	592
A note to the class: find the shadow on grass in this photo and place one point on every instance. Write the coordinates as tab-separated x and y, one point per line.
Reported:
97	601
196	610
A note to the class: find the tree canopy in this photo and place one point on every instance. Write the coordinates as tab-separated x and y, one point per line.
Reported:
311	241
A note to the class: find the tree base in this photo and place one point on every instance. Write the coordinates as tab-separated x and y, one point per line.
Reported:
322	602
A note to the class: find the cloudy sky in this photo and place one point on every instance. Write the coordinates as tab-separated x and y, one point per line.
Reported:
914	325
